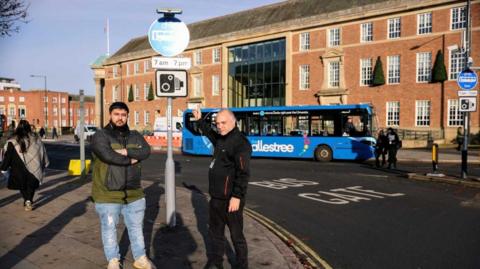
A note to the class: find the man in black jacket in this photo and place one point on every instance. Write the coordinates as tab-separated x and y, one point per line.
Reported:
228	179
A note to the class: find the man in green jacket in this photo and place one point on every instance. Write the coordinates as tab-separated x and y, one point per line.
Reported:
116	188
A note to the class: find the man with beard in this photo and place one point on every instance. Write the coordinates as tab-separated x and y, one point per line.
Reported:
116	187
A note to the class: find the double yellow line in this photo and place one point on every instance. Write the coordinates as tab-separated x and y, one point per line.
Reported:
309	257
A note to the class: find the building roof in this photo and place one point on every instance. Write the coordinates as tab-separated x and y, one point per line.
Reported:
98	63
253	18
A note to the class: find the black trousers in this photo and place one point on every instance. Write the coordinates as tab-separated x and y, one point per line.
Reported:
218	218
380	152
27	193
392	156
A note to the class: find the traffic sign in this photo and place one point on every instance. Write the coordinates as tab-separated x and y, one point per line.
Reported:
171	63
468	104
168	36
171	83
467	79
467	93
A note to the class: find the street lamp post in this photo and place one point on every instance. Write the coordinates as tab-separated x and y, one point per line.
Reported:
45	95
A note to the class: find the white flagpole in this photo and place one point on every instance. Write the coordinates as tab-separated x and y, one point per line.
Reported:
108	38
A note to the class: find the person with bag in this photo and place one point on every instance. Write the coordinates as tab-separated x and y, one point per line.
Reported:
381	148
116	189
228	180
26	160
394	144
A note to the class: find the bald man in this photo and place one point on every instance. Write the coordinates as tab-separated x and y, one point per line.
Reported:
228	179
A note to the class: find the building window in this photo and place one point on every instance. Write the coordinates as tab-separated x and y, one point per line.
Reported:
304	41
455	117
22	112
2	99
197	57
115	71
197	86
64	123
145	91
146	117
63	100
64	111
136	68
394	27
457	63
215	85
128	69
54	100
424	23
137	118
11	99
365	72
366	34
21	99
459	18
216	55
393	113
136	92
424	62
55	111
393	69
45	99
304	77
422	113
334	74
334	37
145	66
114	93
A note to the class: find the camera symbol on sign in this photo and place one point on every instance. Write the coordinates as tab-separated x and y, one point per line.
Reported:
169	83
465	104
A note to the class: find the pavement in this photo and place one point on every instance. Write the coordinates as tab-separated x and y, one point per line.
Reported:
63	230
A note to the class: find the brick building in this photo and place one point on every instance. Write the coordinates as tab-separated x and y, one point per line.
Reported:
44	108
314	52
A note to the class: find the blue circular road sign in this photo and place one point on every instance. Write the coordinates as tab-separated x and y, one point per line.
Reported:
168	36
467	79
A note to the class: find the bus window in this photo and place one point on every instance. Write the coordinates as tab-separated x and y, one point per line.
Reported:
271	125
323	125
253	125
295	125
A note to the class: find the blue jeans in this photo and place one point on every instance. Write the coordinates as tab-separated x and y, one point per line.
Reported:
133	214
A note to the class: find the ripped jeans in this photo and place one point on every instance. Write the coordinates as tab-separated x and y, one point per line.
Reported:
133	214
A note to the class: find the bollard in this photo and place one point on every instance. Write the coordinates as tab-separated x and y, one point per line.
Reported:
435	173
435	157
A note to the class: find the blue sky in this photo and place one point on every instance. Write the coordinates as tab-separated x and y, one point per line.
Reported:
64	37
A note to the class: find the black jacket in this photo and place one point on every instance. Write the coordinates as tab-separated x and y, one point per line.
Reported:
113	169
230	167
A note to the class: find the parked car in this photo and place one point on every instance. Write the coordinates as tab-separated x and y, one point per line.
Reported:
88	132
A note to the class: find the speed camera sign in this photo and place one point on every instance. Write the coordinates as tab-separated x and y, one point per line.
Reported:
468	104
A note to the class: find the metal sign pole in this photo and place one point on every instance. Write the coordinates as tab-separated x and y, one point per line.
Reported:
170	170
81	135
466	118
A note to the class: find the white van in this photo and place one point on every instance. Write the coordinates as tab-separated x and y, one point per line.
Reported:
88	132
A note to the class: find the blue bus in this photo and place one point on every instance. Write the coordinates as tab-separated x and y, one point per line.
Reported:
324	133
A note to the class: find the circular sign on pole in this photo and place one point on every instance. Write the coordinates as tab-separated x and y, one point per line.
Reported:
168	36
467	79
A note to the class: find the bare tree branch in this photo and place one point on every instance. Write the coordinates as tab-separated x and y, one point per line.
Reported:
12	12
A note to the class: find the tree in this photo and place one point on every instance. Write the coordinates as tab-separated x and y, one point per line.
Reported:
130	94
150	93
11	12
378	77
439	72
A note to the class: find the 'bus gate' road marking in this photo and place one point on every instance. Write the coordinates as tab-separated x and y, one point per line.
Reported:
342	196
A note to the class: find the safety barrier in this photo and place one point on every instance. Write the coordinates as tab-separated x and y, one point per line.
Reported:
161	141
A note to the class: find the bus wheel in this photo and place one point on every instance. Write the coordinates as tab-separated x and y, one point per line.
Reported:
323	153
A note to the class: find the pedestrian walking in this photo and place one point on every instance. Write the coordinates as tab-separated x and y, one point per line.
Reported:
116	187
459	138
394	144
228	179
25	160
381	148
54	133
42	132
